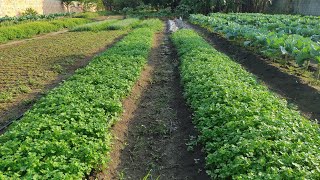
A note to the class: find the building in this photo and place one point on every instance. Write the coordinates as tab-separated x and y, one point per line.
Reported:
16	7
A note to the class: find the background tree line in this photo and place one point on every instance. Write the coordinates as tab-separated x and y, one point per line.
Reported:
186	6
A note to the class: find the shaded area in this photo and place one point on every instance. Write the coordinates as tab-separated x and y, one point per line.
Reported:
150	140
289	86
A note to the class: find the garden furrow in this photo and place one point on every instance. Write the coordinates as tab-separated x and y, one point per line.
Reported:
153	136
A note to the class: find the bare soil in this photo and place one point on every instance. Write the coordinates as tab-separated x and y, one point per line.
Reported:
291	87
152	136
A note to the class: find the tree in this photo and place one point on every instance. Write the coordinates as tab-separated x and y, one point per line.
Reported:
89	4
108	4
67	4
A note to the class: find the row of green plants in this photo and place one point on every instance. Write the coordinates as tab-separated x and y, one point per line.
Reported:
247	131
30	17
275	45
306	26
109	25
124	24
30	29
89	15
95	26
67	133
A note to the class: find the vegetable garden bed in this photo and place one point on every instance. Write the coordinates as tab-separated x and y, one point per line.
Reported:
66	134
248	132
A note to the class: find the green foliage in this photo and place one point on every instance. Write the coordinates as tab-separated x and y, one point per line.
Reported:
248	132
66	133
124	24
272	34
87	15
30	29
29	12
183	10
43	59
8	21
69	22
95	26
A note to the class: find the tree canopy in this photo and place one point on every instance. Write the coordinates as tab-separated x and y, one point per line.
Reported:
196	6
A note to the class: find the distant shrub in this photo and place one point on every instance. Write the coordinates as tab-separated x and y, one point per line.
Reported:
29	11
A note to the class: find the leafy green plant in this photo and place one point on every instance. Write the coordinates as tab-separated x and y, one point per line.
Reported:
247	131
66	134
270	35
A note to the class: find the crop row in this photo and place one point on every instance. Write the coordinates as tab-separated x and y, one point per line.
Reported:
248	132
30	29
94	26
292	24
66	134
18	19
108	25
270	43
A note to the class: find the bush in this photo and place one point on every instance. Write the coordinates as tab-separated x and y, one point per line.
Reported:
30	12
248	132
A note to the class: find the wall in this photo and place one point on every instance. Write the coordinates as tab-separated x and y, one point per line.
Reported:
15	7
306	7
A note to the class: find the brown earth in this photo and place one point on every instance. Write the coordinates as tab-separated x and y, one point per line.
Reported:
151	138
294	89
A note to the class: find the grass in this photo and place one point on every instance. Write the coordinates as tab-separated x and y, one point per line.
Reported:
30	66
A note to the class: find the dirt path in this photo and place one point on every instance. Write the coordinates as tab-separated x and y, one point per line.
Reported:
150	140
289	86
